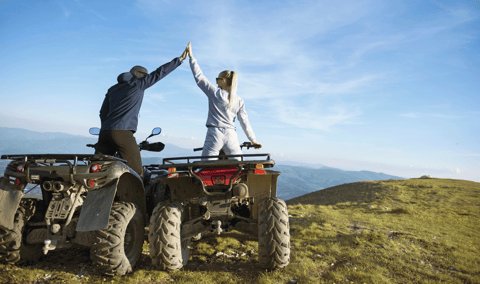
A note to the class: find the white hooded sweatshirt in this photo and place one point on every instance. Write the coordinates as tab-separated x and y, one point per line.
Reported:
220	116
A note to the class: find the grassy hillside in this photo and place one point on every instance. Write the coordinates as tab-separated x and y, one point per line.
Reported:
395	231
296	181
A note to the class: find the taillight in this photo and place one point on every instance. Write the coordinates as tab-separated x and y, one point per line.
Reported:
172	170
94	168
17	182
20	168
259	166
90	182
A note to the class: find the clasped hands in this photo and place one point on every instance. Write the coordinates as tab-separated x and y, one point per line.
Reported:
188	51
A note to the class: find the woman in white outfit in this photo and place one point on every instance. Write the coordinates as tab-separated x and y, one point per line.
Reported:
223	106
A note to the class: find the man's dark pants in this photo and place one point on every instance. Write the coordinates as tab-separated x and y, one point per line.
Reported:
123	142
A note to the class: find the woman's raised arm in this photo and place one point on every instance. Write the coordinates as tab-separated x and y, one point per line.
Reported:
202	82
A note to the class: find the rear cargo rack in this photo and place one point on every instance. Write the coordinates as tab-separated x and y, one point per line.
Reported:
51	158
35	159
195	162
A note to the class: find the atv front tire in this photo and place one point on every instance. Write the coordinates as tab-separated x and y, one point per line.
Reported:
13	248
167	250
273	234
117	248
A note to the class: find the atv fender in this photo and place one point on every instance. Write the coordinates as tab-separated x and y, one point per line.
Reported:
130	189
9	201
96	208
97	205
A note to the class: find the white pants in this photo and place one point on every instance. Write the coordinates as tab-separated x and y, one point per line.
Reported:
221	138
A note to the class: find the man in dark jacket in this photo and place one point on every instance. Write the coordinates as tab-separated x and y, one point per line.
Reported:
119	112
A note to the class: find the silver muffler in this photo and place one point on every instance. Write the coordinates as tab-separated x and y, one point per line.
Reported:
47	185
58	186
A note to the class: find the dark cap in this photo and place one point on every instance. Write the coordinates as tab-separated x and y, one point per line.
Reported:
138	69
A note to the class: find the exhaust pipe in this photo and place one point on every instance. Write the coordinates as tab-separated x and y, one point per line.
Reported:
48	186
58	186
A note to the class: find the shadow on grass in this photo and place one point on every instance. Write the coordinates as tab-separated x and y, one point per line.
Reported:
67	260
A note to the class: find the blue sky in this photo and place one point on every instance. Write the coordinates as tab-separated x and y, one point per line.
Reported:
388	86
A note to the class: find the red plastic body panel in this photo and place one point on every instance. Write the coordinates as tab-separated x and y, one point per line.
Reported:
217	176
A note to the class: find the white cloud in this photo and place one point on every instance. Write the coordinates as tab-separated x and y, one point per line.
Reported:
156	96
66	12
434	115
311	115
96	14
411	115
460	153
446	116
460	10
109	59
454	170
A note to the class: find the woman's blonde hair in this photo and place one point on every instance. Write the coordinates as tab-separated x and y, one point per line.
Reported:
231	78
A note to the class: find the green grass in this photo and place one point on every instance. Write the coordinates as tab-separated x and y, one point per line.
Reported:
395	231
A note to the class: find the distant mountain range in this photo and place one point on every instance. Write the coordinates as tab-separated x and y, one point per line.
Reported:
22	141
296	179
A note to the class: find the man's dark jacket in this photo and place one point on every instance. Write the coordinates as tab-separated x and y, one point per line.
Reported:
123	101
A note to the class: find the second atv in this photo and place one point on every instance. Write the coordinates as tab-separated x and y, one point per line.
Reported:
235	192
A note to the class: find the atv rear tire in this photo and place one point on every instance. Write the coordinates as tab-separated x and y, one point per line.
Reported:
13	248
117	248
273	234
167	250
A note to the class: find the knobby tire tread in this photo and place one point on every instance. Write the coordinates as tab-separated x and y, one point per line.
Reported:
166	248
273	234
108	251
13	249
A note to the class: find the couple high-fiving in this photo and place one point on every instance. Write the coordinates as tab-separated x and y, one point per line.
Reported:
120	108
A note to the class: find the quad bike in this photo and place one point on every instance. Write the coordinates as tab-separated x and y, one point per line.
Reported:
91	200
235	192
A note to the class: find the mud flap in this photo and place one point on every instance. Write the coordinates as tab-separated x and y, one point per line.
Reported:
96	208
9	202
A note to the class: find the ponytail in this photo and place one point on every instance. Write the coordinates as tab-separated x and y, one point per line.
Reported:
233	88
231	78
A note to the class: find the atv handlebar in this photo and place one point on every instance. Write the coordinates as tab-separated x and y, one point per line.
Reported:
154	147
145	145
249	145
245	144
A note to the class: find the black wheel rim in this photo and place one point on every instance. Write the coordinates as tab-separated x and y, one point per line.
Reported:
131	241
